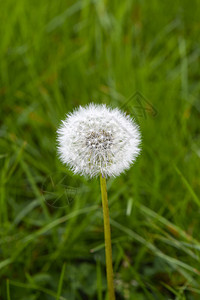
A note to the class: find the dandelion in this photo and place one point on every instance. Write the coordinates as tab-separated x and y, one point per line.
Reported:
97	140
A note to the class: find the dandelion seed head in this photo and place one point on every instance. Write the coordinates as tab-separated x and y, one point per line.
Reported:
97	139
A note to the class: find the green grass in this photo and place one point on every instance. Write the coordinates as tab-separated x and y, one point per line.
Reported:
56	55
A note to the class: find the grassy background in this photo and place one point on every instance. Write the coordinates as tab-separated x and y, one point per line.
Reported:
56	55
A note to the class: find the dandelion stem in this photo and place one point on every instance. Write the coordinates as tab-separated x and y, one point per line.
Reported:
107	236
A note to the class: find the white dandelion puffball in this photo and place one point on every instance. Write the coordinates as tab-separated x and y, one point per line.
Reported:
96	140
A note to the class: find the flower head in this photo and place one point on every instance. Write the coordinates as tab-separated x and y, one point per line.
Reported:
97	139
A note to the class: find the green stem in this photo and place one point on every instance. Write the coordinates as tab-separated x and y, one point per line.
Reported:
107	236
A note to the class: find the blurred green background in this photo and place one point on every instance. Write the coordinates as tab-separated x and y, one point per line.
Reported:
142	56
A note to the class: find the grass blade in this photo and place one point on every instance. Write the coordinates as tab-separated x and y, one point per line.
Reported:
61	282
